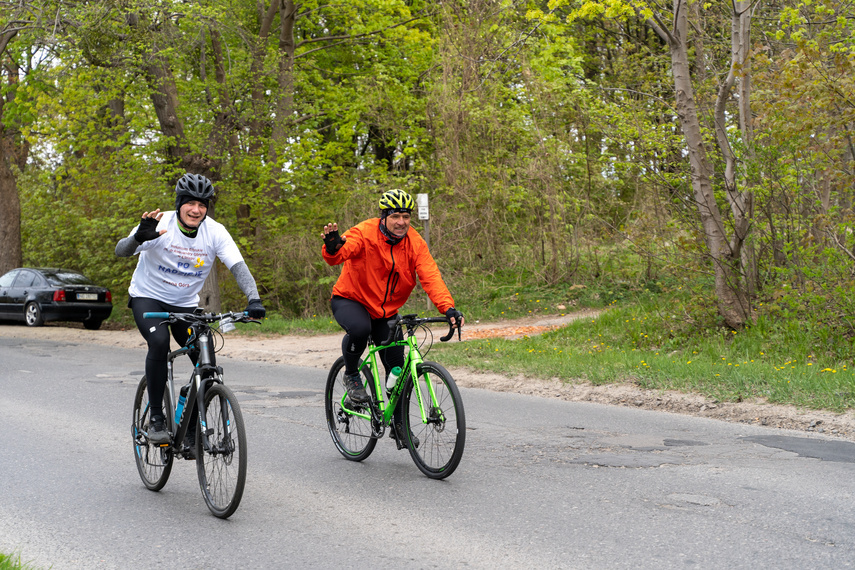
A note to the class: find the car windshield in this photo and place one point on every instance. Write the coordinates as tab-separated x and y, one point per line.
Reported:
66	278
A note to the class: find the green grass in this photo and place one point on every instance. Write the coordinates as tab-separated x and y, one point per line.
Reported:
653	345
13	562
275	324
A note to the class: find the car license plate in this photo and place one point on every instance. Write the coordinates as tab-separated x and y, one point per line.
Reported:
87	296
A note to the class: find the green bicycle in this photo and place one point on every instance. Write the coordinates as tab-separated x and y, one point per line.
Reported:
434	424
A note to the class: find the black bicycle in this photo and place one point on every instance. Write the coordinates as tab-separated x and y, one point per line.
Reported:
220	444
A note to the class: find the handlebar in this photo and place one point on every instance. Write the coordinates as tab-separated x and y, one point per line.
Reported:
412	321
155	315
239	317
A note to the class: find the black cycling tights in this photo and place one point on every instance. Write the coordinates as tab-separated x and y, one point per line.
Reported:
354	318
157	337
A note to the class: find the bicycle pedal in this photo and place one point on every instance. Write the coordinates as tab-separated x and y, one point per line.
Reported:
209	431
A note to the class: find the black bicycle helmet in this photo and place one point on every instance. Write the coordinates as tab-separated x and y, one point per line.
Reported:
193	187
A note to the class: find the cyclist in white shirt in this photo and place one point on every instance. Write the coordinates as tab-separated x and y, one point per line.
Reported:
176	252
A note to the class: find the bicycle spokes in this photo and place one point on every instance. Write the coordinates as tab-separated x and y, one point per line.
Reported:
437	423
349	423
221	454
154	463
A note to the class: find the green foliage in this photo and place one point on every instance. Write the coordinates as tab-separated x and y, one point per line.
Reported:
547	139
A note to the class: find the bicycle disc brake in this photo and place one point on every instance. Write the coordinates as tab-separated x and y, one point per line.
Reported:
436	418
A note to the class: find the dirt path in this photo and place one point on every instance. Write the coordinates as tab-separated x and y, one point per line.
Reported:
321	351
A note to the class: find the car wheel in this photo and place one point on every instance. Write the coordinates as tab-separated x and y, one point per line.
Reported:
92	325
33	315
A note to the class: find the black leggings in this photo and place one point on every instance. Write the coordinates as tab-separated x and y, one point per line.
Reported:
355	320
157	337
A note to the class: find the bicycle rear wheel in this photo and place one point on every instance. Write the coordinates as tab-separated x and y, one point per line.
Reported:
441	439
351	433
221	467
154	463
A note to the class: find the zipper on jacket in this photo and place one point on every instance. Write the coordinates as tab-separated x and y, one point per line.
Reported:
391	281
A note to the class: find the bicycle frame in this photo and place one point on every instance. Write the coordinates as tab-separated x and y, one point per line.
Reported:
178	426
411	363
205	372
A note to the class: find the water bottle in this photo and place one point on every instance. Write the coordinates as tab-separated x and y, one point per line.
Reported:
182	399
393	378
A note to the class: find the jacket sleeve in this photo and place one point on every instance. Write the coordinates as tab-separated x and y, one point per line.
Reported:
431	280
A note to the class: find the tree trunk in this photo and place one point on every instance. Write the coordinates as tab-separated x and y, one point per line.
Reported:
256	72
209	296
726	257
285	80
10	209
13	159
164	97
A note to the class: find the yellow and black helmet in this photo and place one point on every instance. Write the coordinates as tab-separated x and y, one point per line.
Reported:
397	200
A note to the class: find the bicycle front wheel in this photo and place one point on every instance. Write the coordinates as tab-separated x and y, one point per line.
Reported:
435	443
221	463
349	427
154	463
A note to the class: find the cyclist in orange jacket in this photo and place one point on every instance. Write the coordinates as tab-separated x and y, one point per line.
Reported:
382	257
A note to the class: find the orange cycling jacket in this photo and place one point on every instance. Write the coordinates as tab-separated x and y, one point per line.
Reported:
382	276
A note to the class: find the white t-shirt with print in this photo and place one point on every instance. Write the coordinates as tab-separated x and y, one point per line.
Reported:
173	267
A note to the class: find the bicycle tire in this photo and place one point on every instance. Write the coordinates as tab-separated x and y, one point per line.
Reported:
222	468
441	440
154	463
351	434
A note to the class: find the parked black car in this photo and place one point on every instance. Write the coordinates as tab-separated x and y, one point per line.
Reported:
36	295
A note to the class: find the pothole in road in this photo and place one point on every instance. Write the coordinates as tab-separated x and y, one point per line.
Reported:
823	449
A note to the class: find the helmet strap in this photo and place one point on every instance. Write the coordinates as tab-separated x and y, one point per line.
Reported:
186	230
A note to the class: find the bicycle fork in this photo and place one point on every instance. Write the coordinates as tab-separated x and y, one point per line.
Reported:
429	408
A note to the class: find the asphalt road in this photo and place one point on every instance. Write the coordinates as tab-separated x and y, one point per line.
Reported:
543	483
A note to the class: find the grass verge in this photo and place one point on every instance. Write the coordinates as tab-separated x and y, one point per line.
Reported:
651	344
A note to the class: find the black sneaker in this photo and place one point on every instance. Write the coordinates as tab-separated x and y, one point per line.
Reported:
355	389
157	433
397	433
189	449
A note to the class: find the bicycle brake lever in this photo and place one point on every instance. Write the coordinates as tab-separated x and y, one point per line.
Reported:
245	318
450	334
